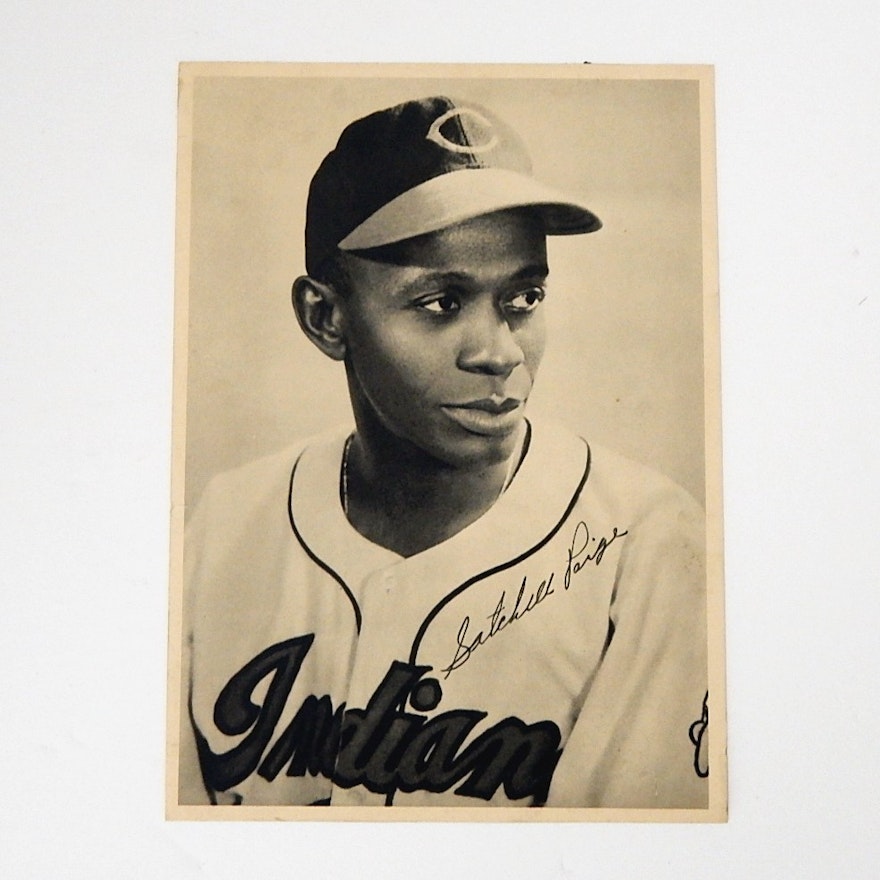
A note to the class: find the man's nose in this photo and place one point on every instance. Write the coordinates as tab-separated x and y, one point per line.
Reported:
490	346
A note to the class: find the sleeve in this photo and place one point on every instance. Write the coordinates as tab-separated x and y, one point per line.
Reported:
191	786
638	738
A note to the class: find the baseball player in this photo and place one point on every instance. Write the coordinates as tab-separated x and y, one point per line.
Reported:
448	603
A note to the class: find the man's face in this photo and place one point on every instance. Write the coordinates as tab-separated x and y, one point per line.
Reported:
442	349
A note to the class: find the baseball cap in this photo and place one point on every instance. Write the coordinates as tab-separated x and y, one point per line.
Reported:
422	166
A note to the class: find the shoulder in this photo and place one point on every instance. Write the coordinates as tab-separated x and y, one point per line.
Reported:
635	490
610	480
661	574
659	521
250	486
238	541
665	526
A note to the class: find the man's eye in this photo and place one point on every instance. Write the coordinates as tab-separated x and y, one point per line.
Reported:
441	305
526	300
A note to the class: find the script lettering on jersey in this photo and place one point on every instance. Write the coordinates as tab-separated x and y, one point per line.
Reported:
583	549
700	741
383	746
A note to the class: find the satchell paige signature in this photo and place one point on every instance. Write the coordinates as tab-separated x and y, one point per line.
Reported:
583	549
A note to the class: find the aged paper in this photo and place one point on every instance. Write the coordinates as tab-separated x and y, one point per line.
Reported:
554	651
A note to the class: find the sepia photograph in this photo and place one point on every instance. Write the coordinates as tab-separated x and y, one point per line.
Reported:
446	521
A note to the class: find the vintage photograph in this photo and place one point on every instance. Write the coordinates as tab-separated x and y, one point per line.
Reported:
446	525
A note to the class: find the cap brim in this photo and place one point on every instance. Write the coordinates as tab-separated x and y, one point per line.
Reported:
462	195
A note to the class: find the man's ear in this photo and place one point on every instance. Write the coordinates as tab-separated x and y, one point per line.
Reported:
317	307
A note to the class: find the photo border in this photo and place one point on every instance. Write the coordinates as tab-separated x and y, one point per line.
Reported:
717	809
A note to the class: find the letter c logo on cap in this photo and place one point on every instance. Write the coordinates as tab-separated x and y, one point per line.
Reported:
484	127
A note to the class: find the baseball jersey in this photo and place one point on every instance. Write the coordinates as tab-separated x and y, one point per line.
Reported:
552	653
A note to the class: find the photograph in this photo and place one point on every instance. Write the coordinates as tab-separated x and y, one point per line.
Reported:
447	480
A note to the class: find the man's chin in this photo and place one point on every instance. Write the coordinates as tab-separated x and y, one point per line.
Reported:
474	450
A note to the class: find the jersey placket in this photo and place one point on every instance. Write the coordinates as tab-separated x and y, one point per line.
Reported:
392	598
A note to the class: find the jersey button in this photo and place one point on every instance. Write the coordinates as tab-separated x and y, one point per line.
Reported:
388	581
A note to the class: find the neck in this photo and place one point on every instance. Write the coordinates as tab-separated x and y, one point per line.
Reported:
403	499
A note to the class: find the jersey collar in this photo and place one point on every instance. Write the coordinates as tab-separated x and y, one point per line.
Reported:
532	509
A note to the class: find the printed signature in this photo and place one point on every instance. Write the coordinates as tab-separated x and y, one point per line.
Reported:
583	549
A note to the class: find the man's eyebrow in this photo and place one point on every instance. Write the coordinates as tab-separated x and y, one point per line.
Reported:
434	279
535	270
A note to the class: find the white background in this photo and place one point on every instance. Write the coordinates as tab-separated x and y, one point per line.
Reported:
87	192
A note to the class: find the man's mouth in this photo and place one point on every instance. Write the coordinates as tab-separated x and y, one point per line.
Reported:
489	416
495	405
